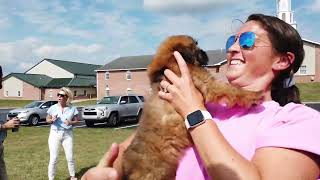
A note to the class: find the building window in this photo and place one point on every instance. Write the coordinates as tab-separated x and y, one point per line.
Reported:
303	69
107	75
129	91
128	75
75	93
107	91
19	93
7	93
50	94
85	92
283	16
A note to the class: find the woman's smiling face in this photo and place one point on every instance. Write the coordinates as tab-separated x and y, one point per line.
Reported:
246	67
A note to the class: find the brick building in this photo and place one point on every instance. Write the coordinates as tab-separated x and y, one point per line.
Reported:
43	81
127	75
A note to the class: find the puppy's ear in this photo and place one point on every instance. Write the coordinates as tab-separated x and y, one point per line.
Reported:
202	57
186	52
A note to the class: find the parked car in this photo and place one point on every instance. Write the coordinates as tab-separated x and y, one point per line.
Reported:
33	112
113	110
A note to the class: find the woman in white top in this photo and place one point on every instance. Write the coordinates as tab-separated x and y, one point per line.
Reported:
62	116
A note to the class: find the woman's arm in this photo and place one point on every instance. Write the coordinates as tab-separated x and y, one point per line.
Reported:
220	158
12	123
74	120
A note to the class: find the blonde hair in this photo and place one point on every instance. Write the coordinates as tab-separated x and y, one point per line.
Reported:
69	94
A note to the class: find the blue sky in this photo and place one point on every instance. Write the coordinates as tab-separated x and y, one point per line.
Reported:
98	31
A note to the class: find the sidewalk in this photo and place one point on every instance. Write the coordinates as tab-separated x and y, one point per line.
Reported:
81	100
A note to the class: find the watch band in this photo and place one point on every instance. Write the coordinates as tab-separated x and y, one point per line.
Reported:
206	115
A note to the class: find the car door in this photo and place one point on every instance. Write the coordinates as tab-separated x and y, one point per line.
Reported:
123	106
43	109
133	106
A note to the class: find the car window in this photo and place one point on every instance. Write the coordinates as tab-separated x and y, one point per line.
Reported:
109	100
53	102
133	99
33	104
124	98
46	104
141	98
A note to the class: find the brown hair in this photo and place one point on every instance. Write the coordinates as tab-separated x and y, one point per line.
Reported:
284	38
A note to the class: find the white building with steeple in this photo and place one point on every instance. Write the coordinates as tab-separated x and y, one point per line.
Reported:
310	69
284	12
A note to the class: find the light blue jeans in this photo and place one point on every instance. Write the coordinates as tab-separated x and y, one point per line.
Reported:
56	138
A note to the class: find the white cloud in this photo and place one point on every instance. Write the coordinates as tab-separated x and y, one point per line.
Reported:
4	23
20	55
59	51
75	5
51	17
25	65
6	53
315	7
186	5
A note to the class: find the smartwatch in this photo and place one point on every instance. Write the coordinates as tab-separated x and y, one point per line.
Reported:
196	118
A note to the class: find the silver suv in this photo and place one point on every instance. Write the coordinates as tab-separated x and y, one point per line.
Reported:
32	113
114	110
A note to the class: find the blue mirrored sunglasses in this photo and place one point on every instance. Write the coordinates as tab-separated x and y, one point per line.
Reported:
246	40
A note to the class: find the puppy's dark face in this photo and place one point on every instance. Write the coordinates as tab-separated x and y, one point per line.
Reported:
190	51
164	58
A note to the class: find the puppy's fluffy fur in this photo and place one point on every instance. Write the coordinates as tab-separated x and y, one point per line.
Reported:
162	137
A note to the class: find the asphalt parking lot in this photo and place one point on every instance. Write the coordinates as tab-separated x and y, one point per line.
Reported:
81	124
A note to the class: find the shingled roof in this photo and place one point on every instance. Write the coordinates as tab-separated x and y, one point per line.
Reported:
71	82
44	81
37	80
75	68
141	62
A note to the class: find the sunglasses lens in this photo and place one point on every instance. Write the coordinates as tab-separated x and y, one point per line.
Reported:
230	42
246	40
61	95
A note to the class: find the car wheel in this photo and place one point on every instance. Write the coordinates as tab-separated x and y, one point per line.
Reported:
89	123
34	120
113	120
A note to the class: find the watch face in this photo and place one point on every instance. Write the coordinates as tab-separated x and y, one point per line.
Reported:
195	118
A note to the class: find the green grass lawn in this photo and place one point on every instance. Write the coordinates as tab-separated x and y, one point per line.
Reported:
27	154
85	103
13	103
309	92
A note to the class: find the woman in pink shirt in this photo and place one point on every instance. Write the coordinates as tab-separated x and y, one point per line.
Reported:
278	139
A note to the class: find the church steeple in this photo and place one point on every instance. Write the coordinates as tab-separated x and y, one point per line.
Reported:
284	12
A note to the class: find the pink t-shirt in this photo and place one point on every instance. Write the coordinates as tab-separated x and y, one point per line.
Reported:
292	126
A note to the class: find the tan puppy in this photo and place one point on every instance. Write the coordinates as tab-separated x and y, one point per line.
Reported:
162	137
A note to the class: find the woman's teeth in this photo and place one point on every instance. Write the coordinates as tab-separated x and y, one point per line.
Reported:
236	62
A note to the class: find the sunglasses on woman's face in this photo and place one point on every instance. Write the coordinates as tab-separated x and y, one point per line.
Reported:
61	95
246	40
